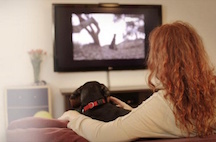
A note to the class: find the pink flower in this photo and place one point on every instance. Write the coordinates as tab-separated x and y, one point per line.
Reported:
36	54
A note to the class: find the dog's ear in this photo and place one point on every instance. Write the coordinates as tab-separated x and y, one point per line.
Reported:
105	91
75	99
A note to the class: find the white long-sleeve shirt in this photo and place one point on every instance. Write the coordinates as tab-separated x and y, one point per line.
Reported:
153	118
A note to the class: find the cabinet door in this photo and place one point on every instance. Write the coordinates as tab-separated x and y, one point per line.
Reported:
25	102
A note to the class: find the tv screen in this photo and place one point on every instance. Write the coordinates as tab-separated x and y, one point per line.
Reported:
89	37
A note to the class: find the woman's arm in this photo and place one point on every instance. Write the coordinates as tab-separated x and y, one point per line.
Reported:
153	118
120	103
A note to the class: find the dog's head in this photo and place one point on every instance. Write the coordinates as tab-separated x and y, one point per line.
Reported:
89	92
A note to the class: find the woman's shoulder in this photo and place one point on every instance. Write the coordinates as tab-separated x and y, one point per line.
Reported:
160	92
158	95
157	99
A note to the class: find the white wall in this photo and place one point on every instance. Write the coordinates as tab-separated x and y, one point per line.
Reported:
27	24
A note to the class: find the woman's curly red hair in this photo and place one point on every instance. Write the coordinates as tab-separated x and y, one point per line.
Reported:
177	58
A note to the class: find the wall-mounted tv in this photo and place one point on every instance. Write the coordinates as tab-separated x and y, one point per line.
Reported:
91	37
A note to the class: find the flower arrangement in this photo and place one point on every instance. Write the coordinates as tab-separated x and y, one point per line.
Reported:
36	57
37	54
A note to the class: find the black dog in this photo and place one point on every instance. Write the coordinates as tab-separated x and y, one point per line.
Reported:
92	99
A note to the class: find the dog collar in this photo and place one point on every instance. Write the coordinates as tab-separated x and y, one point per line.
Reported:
93	104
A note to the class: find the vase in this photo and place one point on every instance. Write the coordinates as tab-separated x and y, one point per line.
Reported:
36	70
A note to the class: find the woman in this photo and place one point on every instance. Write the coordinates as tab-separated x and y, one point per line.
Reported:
184	107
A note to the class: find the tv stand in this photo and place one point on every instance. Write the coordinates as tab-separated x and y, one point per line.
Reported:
132	95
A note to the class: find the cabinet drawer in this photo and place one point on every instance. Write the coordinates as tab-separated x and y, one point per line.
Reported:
17	113
27	97
26	101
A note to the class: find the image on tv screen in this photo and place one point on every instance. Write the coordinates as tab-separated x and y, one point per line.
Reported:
104	36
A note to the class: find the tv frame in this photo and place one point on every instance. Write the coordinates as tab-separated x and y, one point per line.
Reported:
63	55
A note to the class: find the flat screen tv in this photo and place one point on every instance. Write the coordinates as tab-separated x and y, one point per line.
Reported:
91	37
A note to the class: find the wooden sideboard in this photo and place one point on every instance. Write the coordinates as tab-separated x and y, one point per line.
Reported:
26	101
132	95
